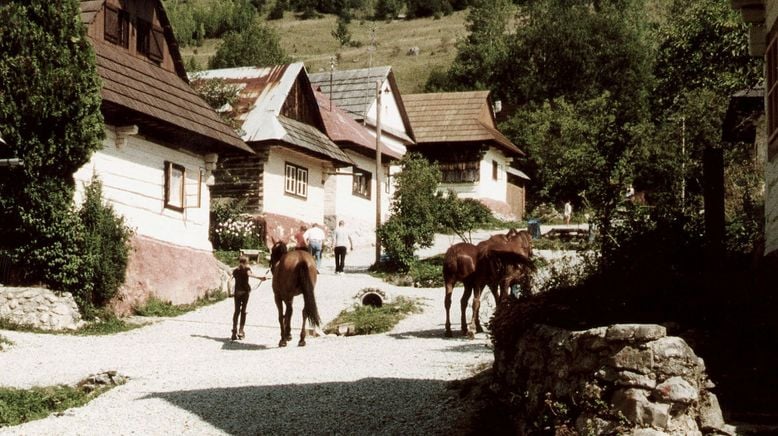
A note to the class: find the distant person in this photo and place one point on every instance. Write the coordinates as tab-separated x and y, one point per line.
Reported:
568	212
299	239
242	291
314	237
341	237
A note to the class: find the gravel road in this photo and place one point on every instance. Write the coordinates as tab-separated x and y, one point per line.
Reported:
186	377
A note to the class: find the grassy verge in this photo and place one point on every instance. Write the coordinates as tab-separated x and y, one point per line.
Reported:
230	258
106	324
368	319
18	406
425	273
156	307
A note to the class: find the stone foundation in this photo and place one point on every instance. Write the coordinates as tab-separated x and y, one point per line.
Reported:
169	272
39	308
627	379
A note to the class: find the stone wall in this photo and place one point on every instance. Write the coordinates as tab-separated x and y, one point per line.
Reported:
39	308
625	379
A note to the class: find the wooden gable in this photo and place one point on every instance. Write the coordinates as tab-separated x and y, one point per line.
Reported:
140	27
301	104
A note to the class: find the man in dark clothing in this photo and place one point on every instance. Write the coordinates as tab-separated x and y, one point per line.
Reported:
242	291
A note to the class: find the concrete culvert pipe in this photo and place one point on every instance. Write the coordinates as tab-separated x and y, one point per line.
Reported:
372	297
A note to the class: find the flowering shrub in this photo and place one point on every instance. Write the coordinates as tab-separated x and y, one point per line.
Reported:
237	232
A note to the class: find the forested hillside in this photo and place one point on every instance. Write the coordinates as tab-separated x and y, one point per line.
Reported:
342	31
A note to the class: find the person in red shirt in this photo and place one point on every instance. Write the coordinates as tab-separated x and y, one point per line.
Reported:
299	239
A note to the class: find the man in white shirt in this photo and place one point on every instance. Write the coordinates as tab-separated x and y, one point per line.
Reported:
341	237
314	237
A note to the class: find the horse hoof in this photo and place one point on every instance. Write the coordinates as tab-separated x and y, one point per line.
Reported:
479	329
301	343
470	335
282	344
448	333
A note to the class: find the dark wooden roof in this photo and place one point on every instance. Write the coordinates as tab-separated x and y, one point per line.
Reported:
451	117
151	93
308	138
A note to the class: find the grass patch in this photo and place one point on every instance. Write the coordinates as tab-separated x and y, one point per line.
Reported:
106	324
424	273
229	258
5	343
369	320
18	406
156	307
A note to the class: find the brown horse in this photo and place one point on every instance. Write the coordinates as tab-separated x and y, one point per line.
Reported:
294	273
459	265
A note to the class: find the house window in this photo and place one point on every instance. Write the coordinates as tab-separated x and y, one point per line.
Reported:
117	26
361	185
771	56
296	180
175	180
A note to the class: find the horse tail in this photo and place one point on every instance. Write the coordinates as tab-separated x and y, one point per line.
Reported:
310	311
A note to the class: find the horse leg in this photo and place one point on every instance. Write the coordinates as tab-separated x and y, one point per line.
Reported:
477	311
449	290
301	343
463	307
282	342
288	319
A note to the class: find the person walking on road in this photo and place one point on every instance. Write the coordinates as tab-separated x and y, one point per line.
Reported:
241	275
342	235
314	237
299	239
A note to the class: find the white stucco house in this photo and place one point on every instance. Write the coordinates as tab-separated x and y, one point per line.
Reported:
162	141
352	192
284	182
458	131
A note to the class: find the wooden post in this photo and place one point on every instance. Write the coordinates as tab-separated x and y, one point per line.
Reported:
378	172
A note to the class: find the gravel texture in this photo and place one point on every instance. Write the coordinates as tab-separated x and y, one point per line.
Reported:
186	377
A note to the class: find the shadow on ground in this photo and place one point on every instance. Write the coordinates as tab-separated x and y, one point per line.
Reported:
367	406
228	344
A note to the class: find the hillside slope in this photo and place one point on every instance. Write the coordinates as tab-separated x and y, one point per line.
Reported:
311	41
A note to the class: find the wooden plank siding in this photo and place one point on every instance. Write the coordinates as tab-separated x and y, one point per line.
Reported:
239	177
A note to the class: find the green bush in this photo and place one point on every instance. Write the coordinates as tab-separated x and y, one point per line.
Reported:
232	229
462	216
256	45
106	248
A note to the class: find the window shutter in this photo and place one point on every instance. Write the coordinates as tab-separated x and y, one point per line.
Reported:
111	29
156	44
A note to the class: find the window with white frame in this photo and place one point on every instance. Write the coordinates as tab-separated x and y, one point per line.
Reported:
175	182
361	185
296	180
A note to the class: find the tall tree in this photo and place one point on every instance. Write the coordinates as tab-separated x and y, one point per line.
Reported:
258	46
50	117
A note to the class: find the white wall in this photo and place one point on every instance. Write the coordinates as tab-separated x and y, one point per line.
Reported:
771	206
357	211
133	182
390	112
309	209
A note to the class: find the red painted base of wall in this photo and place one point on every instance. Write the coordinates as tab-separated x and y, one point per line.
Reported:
281	228
169	272
499	208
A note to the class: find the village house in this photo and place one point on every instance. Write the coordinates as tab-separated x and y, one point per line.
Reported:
457	130
284	182
162	141
351	193
354	91
762	15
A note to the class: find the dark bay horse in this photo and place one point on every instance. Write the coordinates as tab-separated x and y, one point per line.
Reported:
497	262
294	273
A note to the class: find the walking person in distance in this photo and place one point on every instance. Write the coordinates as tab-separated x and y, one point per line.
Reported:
341	237
314	237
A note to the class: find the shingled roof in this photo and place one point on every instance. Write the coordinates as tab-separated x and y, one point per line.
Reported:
136	91
261	99
451	117
346	132
158	98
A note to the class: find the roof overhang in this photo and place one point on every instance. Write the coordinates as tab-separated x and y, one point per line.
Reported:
518	173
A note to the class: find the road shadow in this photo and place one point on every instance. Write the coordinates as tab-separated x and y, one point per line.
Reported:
433	334
366	406
228	344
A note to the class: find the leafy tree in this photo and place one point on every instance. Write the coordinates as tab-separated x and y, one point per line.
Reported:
258	46
413	221
106	250
461	216
278	10
50	117
428	8
482	52
341	32
387	9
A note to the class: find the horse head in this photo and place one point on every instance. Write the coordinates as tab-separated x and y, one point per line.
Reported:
276	252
